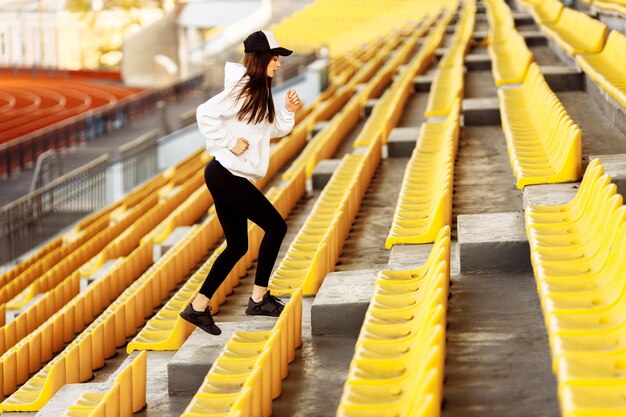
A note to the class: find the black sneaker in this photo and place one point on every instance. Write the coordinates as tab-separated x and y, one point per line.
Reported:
268	306
203	319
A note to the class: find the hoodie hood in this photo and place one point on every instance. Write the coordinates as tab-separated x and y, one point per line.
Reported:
233	72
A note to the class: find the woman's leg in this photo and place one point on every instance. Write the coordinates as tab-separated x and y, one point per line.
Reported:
235	228
221	183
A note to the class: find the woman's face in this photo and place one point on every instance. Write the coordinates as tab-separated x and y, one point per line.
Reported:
273	66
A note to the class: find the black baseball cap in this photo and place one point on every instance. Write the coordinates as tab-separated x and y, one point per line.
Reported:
261	41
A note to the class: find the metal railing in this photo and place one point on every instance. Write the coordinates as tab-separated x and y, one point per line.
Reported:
32	219
139	160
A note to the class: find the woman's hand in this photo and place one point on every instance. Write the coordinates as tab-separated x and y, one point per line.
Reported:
240	147
292	101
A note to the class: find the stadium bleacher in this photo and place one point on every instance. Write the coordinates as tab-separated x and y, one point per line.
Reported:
427	323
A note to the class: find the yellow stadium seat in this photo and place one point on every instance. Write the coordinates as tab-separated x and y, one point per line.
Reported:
576	32
510	59
528	112
606	67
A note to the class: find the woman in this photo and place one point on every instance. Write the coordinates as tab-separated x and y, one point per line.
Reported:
238	124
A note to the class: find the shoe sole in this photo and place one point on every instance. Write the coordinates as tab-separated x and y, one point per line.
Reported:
255	313
187	319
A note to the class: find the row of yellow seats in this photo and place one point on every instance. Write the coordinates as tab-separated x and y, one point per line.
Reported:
606	68
510	58
425	201
123	244
248	374
390	107
544	11
21	290
447	86
57	249
166	330
398	364
616	6
28	355
576	33
111	243
543	142
81	244
577	254
125	396
500	21
36	314
461	39
318	244
120	320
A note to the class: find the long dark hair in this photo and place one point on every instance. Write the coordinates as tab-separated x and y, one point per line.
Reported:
257	92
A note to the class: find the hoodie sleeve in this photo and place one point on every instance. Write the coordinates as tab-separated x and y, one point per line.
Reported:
210	116
283	123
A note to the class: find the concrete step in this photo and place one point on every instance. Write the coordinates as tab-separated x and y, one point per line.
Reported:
534	38
522	19
344	295
402	141
323	171
422	83
481	111
477	61
549	194
561	78
490	243
404	257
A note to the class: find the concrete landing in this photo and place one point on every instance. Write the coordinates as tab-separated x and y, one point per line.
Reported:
480	61
549	194
341	302
615	167
534	38
323	171
422	82
497	354
493	243
402	141
561	78
191	363
521	19
369	106
481	112
404	257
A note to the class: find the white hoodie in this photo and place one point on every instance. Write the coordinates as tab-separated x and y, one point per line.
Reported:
217	120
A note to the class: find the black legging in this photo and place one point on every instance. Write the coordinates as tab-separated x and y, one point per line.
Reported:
236	200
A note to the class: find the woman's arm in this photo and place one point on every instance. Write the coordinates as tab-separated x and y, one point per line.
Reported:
285	115
210	115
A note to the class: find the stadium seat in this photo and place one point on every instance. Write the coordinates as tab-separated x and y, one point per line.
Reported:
544	144
546	11
397	368
510	59
606	67
425	202
576	249
576	33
